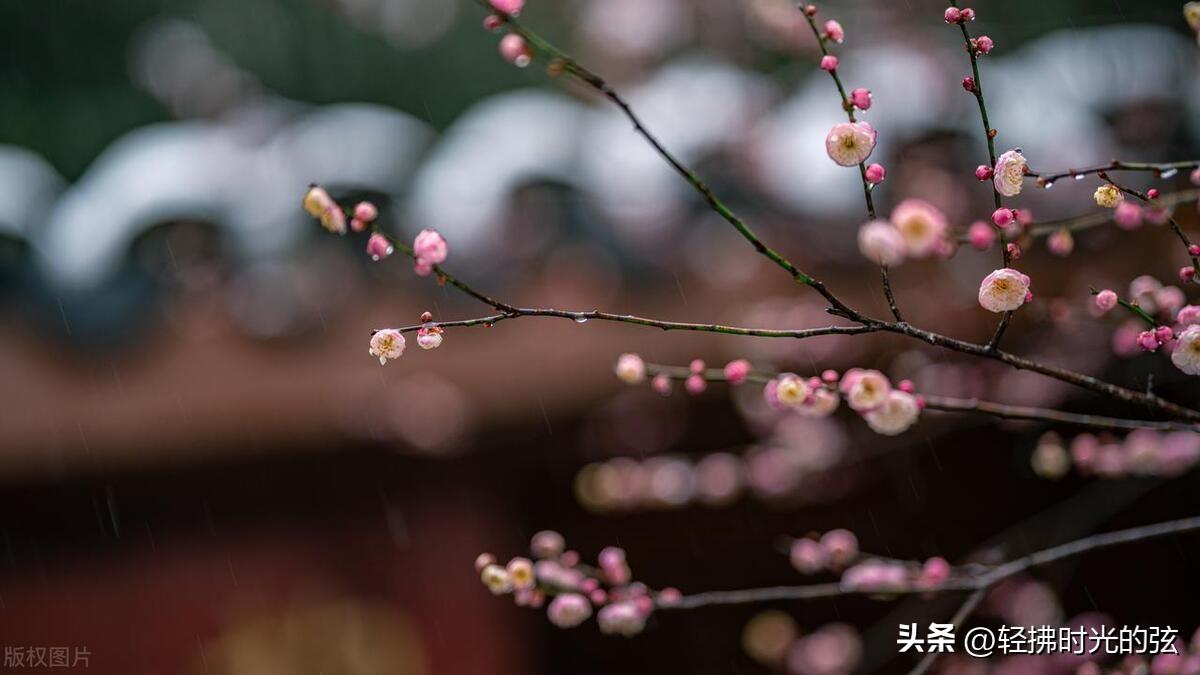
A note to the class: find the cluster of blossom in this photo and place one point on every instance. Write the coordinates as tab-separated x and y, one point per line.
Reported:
1143	452
796	462
428	250
887	410
513	47
774	640
575	591
1176	329
837	551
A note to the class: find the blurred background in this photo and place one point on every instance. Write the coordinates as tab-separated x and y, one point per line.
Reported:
202	471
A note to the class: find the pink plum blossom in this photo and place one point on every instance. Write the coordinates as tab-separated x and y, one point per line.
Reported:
834	31
429	337
1186	356
378	247
387	344
429	249
921	224
898	412
737	371
875	174
861	98
1004	290
1010	173
507	6
869	390
981	235
1106	300
630	368
882	243
621	618
514	49
829	63
568	610
850	143
1061	243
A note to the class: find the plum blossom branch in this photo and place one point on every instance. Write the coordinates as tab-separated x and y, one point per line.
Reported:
942	403
960	616
1161	169
562	60
970	581
1150	199
866	325
1090	220
974	85
861	99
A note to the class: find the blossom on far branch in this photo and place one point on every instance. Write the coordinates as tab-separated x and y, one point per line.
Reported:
429	249
576	591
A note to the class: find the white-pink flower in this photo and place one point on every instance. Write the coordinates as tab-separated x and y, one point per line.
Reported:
320	205
921	224
1186	356
429	249
867	389
1004	290
568	610
387	344
881	242
821	403
1010	173
899	412
850	143
621	618
791	390
631	369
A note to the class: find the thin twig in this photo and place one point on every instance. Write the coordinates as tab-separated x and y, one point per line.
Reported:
957	621
1163	169
848	106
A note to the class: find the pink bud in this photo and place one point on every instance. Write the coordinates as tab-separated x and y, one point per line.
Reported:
1186	273
514	50
1023	216
695	385
508	6
1152	193
1147	340
935	572
983	172
1002	216
737	371
1128	216
829	63
981	235
840	546
1014	250
378	247
984	44
829	376
876	173
968	83
968	14
662	384
953	15
366	212
906	386
807	556
696	366
1061	243
1106	300
833	31
1163	334
669	596
1194	250
492	23
861	98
